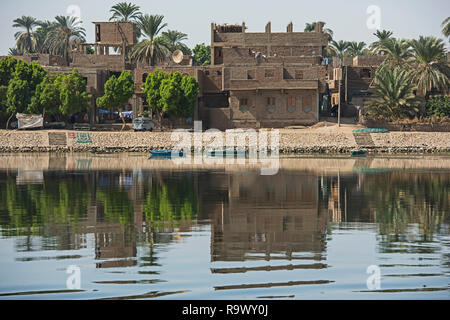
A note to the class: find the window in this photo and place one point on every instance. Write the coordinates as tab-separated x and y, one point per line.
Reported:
98	37
144	77
34	59
206	72
250	75
291	101
269	73
219	73
245	102
307	104
270	101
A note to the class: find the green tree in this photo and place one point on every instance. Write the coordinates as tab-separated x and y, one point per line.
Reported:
15	52
73	95
202	55
171	94
191	89
7	68
25	41
356	48
382	36
392	95
151	88
152	48
118	92
438	106
446	27
339	49
174	41
125	12
64	36
22	86
47	97
397	50
429	67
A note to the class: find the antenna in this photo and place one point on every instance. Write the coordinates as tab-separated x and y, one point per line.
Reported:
177	56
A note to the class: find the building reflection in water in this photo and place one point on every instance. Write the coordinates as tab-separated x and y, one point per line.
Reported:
252	217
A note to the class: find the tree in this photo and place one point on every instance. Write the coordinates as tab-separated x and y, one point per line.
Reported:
47	97
202	55
41	35
117	92
171	94
64	36
446	27
15	52
393	94
152	48
125	12
151	88
339	49
429	68
174	41
382	36
311	27
356	48
22	86
191	89
7	68
397	51
73	95
25	41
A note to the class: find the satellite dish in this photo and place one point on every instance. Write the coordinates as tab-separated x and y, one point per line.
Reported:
177	56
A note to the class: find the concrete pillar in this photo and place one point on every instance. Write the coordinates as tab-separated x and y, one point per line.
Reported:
269	27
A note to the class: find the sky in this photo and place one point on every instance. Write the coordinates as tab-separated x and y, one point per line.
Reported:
351	20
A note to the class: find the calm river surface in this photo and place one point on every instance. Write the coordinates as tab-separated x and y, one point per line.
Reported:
143	229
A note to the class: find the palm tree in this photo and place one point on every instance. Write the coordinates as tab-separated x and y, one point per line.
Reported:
64	35
429	68
397	51
152	48
339	49
41	35
125	12
25	39
392	94
173	41
356	49
382	36
310	27
446	27
15	52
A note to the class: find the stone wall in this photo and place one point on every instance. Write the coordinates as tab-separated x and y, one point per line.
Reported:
291	141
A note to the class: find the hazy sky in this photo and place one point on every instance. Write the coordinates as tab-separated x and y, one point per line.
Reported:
348	19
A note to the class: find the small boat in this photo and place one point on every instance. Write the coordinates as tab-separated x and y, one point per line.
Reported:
223	153
358	153
165	153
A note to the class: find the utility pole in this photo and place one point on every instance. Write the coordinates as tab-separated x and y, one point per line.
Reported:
339	97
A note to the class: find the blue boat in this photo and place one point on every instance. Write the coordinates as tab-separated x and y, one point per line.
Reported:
164	153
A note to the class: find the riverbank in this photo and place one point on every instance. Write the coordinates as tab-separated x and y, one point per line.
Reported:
297	141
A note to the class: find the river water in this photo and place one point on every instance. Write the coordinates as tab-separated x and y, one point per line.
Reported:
126	227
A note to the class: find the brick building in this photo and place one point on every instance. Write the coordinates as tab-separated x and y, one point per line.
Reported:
259	79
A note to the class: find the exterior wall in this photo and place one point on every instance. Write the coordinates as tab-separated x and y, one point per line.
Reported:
259	114
114	32
363	61
108	62
42	59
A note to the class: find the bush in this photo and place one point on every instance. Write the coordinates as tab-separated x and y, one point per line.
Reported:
438	106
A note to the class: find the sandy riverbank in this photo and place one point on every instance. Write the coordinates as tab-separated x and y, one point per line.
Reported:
324	139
